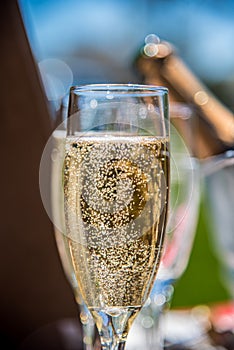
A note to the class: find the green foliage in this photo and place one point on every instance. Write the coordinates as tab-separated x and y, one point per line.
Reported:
201	283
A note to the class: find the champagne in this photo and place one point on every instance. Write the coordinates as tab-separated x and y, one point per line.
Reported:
115	205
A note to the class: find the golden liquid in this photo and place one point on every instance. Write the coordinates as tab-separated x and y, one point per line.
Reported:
115	201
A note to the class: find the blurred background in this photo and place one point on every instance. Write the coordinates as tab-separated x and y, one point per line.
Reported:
47	46
89	41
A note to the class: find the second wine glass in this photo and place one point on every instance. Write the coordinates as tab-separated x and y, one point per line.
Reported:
181	228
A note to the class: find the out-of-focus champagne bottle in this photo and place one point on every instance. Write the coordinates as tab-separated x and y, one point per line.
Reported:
213	125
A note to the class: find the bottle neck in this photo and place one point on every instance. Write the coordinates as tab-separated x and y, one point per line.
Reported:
213	123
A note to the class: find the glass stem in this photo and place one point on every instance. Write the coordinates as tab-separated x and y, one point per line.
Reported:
113	327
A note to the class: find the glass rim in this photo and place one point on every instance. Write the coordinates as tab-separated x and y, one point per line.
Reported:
120	89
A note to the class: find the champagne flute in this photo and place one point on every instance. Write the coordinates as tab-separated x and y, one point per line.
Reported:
115	199
115	183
